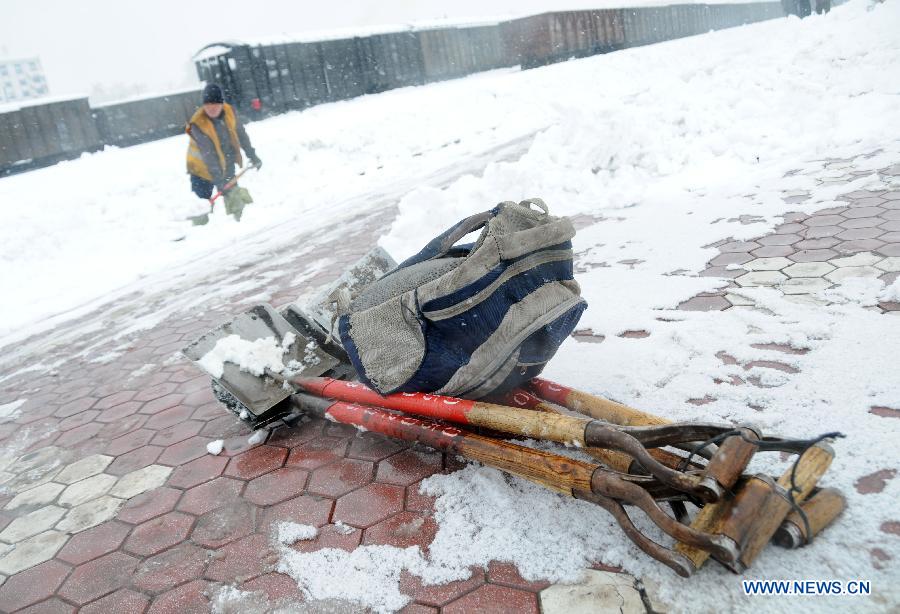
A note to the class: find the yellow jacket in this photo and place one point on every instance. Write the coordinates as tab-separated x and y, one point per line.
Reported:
201	121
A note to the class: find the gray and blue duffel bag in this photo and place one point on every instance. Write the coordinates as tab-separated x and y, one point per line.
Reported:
469	320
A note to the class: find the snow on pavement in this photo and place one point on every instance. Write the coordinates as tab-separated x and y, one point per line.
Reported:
663	146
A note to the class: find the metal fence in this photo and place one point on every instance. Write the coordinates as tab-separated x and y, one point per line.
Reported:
262	80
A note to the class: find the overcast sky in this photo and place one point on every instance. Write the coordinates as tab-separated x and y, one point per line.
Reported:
133	47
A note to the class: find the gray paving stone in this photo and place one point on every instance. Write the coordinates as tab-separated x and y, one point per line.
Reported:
890	237
858	245
32	551
731	258
808	269
87	489
857	194
767	264
813	255
737	246
862	233
871	202
891	249
720	271
705	303
891	195
40	495
862	222
822	243
772	251
843	273
760	278
39	458
601	591
804	285
787	239
860	259
891	214
85	468
90	514
823	220
790	227
32	524
890	265
142	480
890	226
817	232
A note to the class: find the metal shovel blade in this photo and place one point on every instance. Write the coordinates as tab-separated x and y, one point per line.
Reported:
258	393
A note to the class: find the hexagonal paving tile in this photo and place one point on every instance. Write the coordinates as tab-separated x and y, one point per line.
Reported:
862	222
813	255
85	468
767	264
257	461
160	533
843	273
32	586
173	567
804	285
123	600
860	233
224	525
494	598
94	542
820	243
87	489
808	269
149	505
305	509
211	495
760	278
823	220
38	496
198	471
32	551
139	481
369	505
890	265
787	239
601	591
855	212
276	486
241	560
90	514
341	477
408	467
32	524
99	577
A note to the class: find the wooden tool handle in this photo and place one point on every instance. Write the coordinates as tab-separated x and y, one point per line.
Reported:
717	517
594	406
821	510
553	471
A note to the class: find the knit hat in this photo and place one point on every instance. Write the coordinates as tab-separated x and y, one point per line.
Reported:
213	93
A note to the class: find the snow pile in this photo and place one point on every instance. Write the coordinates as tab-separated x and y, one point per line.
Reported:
215	447
10	411
289	532
251	356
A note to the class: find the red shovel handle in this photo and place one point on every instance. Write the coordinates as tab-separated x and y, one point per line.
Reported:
231	183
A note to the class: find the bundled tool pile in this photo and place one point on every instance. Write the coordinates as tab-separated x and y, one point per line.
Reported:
689	479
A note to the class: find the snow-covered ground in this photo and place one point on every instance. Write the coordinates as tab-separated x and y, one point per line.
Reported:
667	143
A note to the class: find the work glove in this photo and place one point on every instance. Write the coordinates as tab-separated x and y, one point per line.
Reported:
256	162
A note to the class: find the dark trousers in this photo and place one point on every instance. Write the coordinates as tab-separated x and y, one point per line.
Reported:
201	187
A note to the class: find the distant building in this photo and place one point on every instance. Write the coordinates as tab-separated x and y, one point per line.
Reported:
21	80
